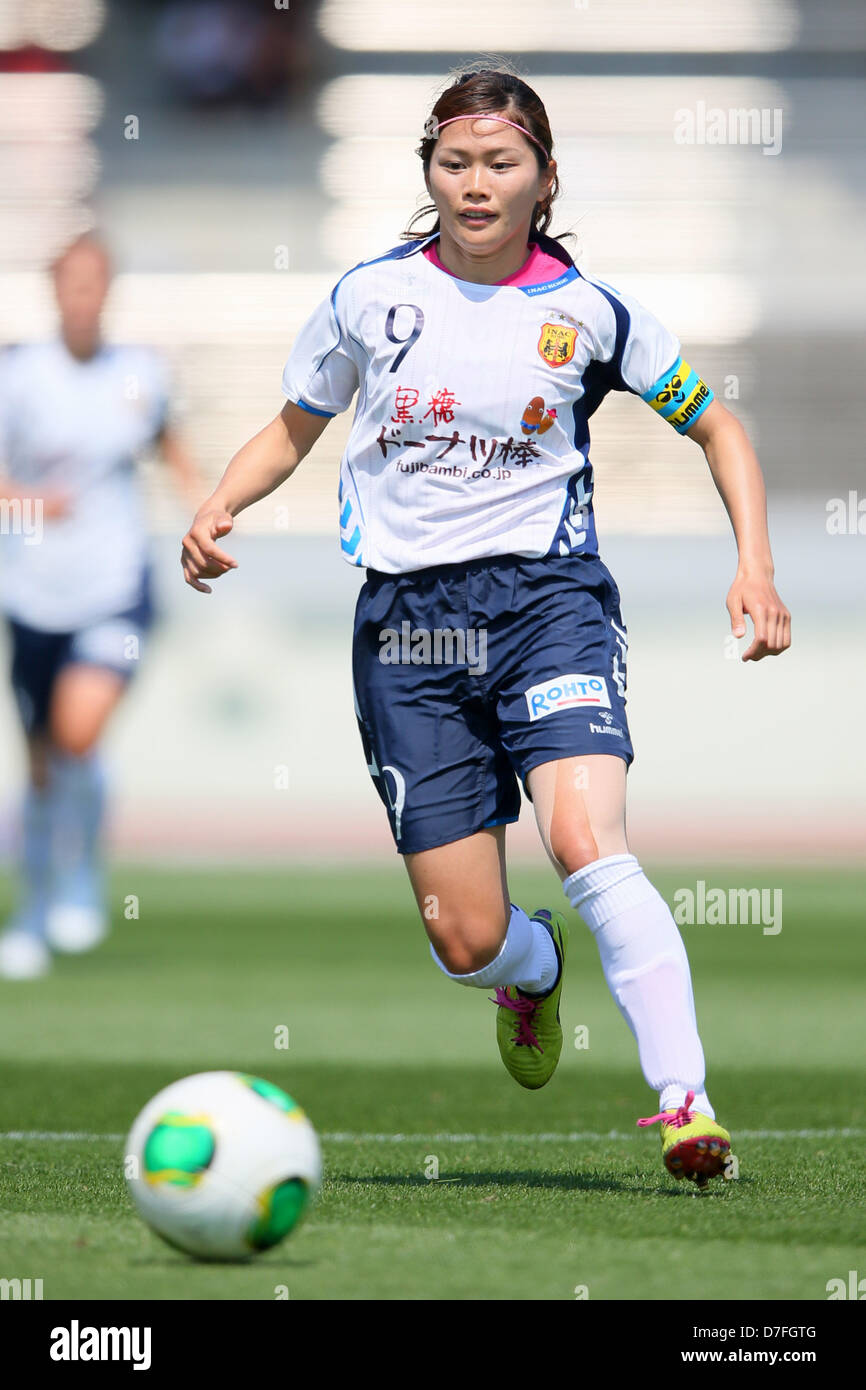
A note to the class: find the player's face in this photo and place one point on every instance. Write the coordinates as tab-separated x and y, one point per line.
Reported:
481	166
81	284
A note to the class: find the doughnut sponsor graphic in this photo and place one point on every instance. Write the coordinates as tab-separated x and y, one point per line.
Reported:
536	419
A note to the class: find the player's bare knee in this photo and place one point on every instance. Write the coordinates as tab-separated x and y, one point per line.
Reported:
71	740
460	958
465	945
73	745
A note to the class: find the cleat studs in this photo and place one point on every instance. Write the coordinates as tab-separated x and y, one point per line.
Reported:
701	1146
715	1147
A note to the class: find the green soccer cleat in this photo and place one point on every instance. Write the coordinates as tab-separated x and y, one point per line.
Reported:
527	1025
693	1145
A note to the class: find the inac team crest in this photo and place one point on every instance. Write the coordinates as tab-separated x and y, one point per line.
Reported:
556	343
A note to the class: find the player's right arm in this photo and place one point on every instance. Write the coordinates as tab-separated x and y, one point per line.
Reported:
55	503
264	462
322	373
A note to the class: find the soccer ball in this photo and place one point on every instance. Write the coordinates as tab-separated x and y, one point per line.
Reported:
222	1164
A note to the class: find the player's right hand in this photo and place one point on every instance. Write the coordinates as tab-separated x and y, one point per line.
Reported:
201	558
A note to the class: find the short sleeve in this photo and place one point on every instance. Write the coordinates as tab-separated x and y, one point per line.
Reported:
654	369
320	374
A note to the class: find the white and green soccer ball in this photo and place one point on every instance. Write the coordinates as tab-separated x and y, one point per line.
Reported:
222	1164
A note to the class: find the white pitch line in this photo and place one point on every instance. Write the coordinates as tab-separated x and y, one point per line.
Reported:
59	1136
544	1137
577	1136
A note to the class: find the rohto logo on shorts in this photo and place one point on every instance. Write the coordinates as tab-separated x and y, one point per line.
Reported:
565	692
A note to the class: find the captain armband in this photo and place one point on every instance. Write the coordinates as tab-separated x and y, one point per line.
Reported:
679	396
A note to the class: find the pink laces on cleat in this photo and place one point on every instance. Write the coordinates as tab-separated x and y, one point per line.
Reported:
682	1117
524	1008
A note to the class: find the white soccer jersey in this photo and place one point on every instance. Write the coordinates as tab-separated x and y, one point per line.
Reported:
471	435
75	426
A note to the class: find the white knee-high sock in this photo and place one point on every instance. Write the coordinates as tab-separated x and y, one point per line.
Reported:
78	803
527	959
35	861
647	971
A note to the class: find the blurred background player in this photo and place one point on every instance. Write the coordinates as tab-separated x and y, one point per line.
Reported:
76	591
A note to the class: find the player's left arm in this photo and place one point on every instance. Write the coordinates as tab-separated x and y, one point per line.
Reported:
676	392
737	474
189	482
166	422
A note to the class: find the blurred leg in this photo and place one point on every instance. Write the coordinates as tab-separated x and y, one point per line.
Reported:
23	953
35	849
82	701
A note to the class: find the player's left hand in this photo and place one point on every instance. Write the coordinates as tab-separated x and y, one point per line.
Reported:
755	594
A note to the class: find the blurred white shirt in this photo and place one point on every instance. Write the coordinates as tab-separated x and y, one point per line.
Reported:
76	426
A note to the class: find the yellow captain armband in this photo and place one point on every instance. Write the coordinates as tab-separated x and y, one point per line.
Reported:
679	396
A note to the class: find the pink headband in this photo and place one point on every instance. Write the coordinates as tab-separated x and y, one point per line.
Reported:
432	127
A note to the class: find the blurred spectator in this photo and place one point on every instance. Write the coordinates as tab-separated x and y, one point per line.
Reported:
32	59
221	51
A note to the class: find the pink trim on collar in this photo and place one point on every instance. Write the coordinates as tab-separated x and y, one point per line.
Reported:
538	267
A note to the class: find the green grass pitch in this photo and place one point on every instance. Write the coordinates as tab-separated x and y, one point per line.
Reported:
543	1195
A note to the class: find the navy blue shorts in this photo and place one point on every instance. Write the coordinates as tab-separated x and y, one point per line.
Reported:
37	657
468	676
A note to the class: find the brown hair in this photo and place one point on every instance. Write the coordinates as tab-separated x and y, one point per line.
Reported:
492	89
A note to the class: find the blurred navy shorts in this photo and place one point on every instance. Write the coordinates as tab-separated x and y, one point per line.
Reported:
38	656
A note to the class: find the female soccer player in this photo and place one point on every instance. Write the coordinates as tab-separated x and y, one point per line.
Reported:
489	643
74	412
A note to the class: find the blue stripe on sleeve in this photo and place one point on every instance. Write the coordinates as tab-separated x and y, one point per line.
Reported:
328	414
